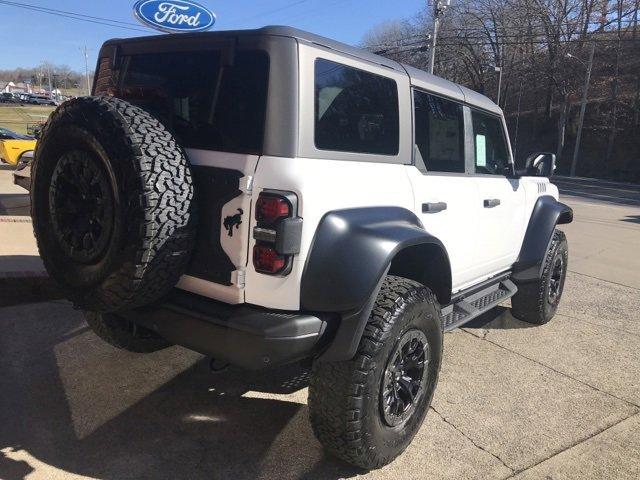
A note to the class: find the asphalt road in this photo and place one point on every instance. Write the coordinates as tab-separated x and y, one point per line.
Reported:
599	191
560	401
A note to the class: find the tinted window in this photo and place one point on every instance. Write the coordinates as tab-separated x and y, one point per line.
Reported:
490	146
355	111
439	130
206	105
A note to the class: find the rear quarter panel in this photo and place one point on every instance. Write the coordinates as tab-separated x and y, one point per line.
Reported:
321	186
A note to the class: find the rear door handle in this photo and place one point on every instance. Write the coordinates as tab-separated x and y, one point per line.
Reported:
491	202
433	207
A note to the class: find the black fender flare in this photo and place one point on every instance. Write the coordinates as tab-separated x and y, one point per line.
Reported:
546	215
350	254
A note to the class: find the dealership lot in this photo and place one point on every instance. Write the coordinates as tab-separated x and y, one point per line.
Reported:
557	401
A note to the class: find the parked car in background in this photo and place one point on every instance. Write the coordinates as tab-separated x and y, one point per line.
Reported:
7	97
14	145
41	100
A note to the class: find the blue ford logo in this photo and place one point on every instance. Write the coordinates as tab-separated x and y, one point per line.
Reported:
174	15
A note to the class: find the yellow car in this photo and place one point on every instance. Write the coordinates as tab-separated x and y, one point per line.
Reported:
14	145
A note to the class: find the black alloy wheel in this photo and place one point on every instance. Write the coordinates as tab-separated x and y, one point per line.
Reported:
81	206
556	280
404	378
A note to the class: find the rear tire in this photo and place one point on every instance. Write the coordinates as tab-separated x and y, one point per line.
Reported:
361	409
112	204
123	334
537	302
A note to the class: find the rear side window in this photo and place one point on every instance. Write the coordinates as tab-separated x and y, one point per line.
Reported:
205	104
439	125
491	153
355	111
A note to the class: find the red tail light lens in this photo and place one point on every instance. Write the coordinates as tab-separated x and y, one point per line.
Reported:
270	208
267	260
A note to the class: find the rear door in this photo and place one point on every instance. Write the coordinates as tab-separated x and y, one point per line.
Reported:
445	196
500	200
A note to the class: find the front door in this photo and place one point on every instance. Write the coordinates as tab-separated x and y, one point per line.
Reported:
501	200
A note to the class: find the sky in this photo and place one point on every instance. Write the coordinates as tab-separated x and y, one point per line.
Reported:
28	37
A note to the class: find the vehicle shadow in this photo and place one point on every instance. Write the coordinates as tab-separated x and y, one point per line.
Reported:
631	219
86	408
24	280
15	204
499	318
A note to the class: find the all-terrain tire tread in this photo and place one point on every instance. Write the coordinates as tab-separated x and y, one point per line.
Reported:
336	388
528	303
158	198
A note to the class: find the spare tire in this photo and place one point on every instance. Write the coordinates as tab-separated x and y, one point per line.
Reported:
112	204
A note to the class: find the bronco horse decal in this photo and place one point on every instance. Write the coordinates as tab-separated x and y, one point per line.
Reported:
233	221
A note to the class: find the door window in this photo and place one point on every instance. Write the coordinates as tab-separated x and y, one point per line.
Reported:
439	132
490	145
355	110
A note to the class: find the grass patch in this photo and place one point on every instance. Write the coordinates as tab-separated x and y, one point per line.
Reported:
17	117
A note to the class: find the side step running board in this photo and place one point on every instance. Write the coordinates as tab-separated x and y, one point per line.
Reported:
468	307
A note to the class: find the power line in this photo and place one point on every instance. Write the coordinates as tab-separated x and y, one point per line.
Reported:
533	40
296	15
478	33
324	8
75	16
270	12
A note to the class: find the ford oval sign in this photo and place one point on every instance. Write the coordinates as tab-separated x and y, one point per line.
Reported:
174	16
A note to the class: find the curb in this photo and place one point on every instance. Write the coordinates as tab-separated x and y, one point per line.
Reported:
14	219
27	287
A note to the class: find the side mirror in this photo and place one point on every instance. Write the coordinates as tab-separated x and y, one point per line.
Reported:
541	164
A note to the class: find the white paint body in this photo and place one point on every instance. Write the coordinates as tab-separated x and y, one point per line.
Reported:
481	242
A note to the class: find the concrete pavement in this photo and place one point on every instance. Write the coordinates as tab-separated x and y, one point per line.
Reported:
560	401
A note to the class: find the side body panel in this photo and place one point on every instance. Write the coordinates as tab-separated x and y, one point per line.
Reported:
321	186
351	251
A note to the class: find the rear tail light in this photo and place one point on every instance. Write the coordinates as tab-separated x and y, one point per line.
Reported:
267	260
278	232
271	208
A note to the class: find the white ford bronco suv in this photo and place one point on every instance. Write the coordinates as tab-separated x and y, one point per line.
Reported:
270	196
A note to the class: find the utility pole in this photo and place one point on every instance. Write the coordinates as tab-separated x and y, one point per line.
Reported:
86	68
49	76
499	70
439	7
583	107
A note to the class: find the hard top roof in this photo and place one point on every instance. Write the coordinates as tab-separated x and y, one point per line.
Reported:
419	78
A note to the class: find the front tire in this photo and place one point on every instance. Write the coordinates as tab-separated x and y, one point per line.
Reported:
368	409
537	302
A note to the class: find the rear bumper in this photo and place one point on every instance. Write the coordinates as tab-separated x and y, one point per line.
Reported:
247	336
